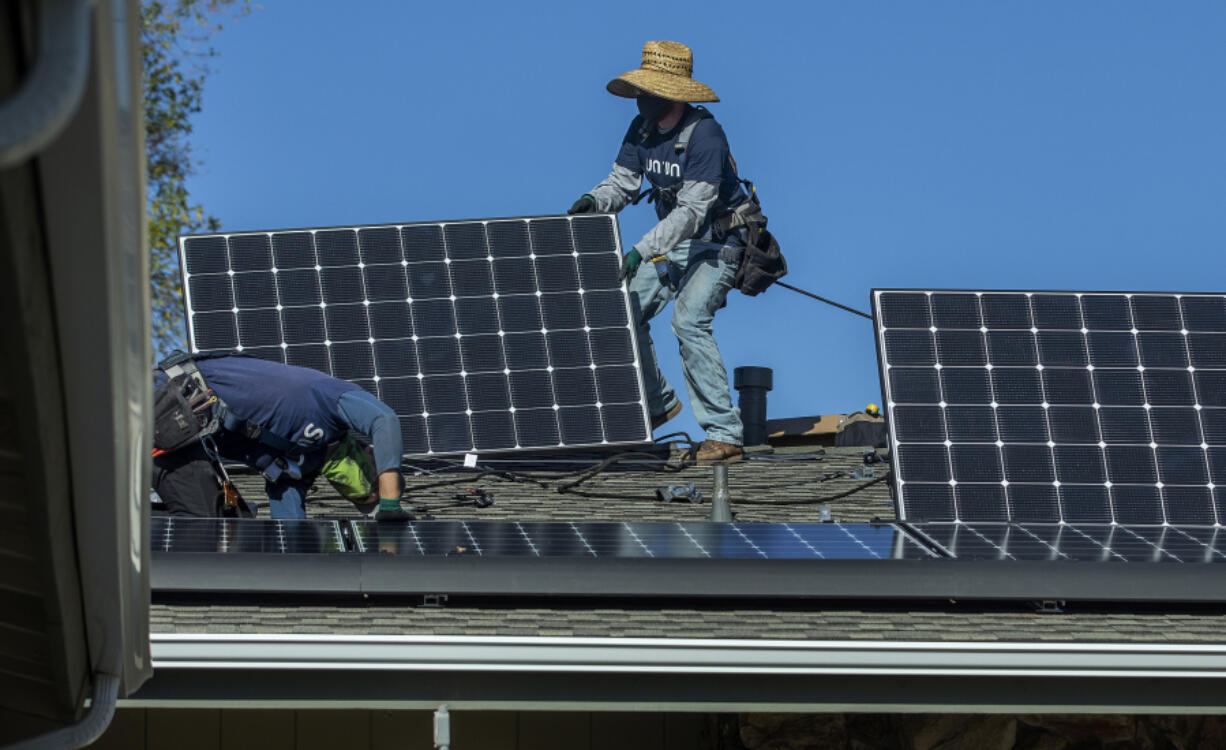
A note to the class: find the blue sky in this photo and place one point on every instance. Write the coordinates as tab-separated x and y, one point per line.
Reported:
1043	145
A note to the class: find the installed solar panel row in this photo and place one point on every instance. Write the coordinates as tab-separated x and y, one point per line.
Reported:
541	539
1077	542
233	535
663	540
482	335
1045	407
639	539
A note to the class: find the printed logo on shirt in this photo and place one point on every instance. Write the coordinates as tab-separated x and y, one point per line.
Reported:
663	168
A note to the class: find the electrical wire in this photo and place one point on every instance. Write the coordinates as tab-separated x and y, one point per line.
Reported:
819	298
588	472
782	458
813	500
586	475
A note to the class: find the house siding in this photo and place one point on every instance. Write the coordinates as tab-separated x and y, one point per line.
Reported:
320	729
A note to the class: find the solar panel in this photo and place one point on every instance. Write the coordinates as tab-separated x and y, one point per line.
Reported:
1043	407
1079	542
500	558
484	336
660	540
248	535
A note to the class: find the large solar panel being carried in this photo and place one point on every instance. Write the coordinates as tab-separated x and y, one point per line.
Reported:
1056	407
483	335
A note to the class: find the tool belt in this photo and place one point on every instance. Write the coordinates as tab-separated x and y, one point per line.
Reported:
185	409
183	406
762	262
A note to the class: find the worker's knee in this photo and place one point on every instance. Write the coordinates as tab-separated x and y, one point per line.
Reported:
690	322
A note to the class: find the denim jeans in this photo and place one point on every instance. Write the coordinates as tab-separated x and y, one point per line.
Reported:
286	497
697	284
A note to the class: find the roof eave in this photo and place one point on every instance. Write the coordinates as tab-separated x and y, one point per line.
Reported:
671	674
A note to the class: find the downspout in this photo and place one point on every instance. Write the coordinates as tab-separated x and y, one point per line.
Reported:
47	99
442	729
89	728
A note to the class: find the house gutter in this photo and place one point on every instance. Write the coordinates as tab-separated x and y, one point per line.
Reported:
683	674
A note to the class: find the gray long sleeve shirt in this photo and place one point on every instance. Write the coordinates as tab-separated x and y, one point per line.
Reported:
705	179
694	201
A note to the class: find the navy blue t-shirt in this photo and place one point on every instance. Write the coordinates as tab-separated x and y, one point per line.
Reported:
296	403
707	159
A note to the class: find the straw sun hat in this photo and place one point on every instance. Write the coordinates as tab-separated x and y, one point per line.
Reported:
665	72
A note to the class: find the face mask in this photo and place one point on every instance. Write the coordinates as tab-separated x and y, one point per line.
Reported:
652	108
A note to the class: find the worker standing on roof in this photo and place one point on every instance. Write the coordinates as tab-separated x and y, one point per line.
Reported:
289	423
691	254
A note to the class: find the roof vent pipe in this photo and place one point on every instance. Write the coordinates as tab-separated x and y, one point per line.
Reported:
752	383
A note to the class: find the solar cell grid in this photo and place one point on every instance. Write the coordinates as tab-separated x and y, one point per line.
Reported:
233	536
485	335
1077	542
638	540
1056	406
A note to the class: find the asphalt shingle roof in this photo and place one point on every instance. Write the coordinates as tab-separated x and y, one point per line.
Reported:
813	476
626	492
838	622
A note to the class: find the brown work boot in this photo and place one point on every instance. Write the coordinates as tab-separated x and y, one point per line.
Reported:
659	419
711	451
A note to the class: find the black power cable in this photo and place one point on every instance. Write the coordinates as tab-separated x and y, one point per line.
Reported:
819	298
593	471
813	500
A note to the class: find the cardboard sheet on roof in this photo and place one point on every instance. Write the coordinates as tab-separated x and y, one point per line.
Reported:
819	429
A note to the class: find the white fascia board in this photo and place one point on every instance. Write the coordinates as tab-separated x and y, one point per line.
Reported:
685	656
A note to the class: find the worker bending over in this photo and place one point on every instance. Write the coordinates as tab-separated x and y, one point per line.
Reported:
287	422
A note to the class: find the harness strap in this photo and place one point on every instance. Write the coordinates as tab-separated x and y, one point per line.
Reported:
693	117
180	363
697	115
255	431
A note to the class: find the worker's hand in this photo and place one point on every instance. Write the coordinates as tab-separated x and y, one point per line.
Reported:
631	264
585	205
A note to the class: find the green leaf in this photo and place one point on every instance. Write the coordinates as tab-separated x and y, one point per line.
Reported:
174	58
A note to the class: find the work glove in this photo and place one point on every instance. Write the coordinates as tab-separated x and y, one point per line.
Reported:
631	264
585	205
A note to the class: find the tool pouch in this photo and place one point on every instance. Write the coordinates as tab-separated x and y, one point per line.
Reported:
762	263
175	423
184	407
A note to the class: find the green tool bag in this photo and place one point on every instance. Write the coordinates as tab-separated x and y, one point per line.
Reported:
350	470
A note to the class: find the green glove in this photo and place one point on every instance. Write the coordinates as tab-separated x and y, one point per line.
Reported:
633	259
390	510
585	205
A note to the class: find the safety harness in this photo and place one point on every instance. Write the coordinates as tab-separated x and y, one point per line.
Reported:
187	409
761	261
